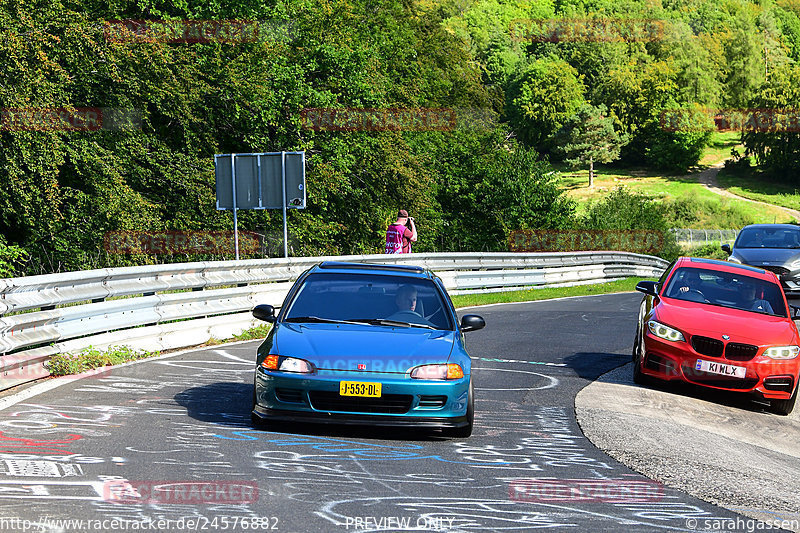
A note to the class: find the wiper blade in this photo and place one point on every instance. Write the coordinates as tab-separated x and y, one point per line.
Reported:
318	320
386	322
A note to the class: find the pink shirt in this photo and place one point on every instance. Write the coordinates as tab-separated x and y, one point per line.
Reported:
398	239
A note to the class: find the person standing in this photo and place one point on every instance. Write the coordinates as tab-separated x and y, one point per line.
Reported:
398	236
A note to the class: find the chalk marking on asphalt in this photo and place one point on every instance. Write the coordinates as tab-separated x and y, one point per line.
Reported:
553	381
50	384
489	360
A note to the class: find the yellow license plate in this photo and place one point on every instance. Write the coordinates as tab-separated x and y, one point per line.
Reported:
358	388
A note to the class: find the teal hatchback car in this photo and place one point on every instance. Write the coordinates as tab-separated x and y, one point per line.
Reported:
366	344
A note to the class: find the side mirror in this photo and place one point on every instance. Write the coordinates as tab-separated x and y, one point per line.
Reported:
472	323
264	312
726	248
650	288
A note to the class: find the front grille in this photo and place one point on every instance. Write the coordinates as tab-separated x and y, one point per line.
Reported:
388	403
778	270
740	352
289	395
435	402
707	346
714	380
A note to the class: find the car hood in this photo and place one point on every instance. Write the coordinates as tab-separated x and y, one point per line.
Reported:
712	321
767	256
380	348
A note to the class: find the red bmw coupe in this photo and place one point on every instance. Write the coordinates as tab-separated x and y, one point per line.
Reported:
719	325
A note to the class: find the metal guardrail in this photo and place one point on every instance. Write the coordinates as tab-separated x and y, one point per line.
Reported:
163	307
696	237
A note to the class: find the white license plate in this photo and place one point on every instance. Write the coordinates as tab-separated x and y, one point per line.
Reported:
721	369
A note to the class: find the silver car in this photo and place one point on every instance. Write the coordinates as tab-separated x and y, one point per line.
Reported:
774	247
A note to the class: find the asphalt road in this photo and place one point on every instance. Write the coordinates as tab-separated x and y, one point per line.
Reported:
179	427
724	448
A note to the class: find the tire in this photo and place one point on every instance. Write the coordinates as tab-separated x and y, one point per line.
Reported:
257	421
466	431
784	407
638	377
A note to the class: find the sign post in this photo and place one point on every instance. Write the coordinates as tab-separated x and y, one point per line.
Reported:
233	196
267	180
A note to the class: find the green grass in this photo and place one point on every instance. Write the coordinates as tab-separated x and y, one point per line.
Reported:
719	148
528	295
757	186
258	332
711	210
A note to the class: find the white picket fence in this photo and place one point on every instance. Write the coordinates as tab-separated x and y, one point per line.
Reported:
163	307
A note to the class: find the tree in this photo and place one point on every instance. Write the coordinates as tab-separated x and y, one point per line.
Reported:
772	137
744	60
489	186
541	97
589	137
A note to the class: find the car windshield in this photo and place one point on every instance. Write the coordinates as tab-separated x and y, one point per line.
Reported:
768	238
378	300
726	290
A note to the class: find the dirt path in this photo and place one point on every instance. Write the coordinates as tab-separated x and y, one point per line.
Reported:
708	179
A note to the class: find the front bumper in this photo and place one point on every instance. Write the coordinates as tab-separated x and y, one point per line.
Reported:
275	415
791	283
404	402
765	378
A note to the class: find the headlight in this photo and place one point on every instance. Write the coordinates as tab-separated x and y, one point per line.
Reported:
665	332
733	259
795	265
782	352
287	364
448	371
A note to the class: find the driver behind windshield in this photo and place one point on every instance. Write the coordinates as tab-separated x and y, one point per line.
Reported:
691	282
406	299
407	309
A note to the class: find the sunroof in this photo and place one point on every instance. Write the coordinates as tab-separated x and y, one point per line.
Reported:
727	263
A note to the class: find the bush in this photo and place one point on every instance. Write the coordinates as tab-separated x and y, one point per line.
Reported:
624	210
11	257
258	332
676	151
711	250
738	164
89	358
691	210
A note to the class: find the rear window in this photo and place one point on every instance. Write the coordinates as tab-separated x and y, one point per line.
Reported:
353	297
